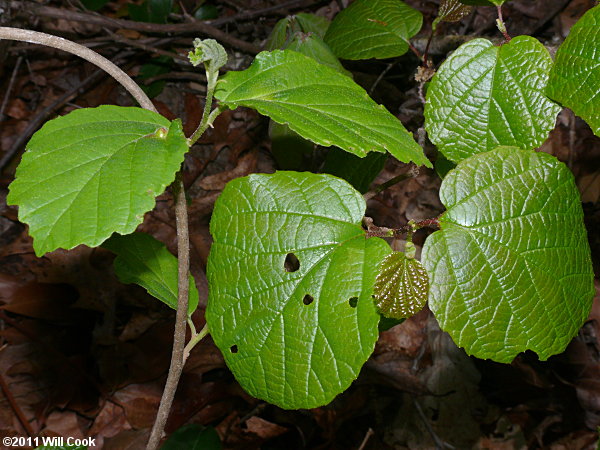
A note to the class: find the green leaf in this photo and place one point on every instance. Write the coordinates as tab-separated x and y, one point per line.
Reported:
143	260
289	26
206	12
575	77
373	29
279	35
452	11
484	96
319	104
359	172
86	175
313	46
193	437
291	277
510	269
311	23
401	286
155	11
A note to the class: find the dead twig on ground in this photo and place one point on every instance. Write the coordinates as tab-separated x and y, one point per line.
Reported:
41	11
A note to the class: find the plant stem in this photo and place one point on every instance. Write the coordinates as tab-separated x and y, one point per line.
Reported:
501	25
426	53
375	231
48	40
208	117
177	355
193	341
180	351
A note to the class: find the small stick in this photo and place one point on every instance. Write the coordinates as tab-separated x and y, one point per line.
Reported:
35	37
9	89
176	28
389	183
35	123
15	407
363	444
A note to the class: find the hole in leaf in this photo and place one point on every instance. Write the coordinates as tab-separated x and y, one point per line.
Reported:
291	263
307	300
353	302
233	349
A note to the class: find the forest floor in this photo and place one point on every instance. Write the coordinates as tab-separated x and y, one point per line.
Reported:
84	355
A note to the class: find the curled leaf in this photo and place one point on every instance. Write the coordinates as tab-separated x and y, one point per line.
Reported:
209	52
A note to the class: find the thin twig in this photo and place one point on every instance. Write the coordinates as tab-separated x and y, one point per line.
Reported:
150	49
176	76
177	355
375	231
259	12
15	407
9	89
414	172
382	74
35	37
502	25
439	444
176	28
363	444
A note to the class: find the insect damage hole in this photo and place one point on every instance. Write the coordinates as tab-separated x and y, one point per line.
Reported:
353	302
233	349
308	299
291	263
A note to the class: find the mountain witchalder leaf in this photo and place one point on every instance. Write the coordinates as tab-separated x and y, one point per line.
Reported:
575	76
313	46
291	276
143	260
484	96
93	165
401	286
319	104
452	11
373	29
510	269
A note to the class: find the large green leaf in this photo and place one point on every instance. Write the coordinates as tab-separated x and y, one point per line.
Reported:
510	269
94	172
484	96
313	46
373	29
319	104
143	260
291	277
575	76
